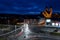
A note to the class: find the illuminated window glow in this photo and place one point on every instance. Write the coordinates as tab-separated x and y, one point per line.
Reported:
48	20
53	24
57	24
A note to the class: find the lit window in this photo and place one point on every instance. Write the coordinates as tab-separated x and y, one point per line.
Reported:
48	20
53	24
56	24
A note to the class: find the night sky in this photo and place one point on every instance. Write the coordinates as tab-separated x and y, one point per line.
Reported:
28	6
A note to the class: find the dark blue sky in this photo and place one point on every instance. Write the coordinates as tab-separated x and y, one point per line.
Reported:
27	6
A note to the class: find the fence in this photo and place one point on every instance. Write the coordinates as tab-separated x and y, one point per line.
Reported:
14	29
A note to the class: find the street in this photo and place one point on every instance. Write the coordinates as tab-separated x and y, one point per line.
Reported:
38	36
30	32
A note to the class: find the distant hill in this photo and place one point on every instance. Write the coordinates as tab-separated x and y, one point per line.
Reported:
12	17
28	16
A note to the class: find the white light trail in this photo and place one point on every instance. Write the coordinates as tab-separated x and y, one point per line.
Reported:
26	30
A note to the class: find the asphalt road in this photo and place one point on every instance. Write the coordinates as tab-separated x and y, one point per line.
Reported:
32	33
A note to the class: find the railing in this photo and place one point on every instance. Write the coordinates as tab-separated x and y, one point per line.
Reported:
14	31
